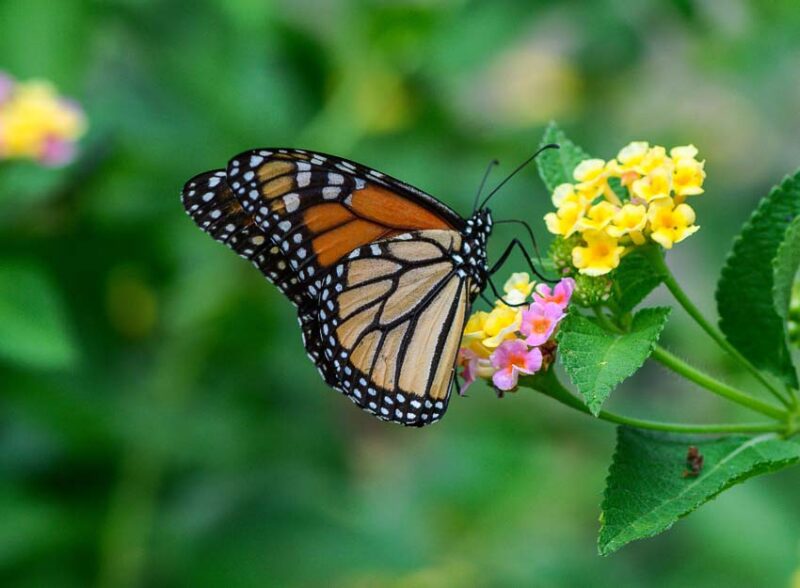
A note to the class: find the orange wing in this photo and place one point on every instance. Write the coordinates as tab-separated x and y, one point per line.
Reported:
318	208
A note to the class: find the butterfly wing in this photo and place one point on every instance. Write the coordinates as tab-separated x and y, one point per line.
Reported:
210	202
391	317
319	214
318	208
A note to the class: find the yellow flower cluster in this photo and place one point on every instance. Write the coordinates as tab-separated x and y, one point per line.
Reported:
37	123
654	208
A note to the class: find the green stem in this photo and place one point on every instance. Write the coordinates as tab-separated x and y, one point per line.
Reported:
606	321
719	388
552	387
672	285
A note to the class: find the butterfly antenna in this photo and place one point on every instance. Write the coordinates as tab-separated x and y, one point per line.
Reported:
489	168
520	167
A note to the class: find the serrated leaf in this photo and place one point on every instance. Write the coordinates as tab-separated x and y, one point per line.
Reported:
634	279
744	293
33	330
785	268
647	491
556	165
597	360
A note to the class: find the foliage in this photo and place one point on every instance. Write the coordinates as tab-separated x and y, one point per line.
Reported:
785	266
33	330
650	485
745	296
634	279
556	165
598	360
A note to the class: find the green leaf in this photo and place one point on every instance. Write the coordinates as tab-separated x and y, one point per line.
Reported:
597	360
744	293
647	491
634	279
616	186
33	330
785	267
556	165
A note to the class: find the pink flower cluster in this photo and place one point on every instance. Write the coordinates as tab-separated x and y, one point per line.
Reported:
525	350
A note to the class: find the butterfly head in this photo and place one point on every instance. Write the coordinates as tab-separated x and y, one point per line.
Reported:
476	236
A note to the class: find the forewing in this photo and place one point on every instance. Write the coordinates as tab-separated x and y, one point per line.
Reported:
318	208
391	317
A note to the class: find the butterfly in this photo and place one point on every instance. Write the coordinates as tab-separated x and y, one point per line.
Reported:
382	274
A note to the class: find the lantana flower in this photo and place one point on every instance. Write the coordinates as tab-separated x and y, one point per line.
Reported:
601	254
559	295
518	287
688	178
598	217
565	221
501	323
504	343
591	176
630	157
657	185
539	322
510	360
597	224
568	193
474	367
671	224
36	123
629	220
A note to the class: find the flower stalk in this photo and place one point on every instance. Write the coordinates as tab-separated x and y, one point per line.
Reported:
679	366
660	265
548	384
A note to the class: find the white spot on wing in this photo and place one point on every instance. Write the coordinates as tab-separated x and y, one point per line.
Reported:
292	202
330	193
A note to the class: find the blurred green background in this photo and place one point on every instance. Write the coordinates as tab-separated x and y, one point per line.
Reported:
160	424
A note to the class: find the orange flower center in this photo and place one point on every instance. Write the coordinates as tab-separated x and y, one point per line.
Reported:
540	325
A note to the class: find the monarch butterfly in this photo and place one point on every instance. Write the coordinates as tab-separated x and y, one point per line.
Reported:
382	274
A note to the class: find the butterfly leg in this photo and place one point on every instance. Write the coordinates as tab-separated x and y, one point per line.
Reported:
518	244
528	229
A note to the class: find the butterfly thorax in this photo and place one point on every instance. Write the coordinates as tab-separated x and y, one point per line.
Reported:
472	261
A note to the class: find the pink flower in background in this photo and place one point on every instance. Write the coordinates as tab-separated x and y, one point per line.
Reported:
560	294
539	322
56	151
6	87
511	359
37	123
